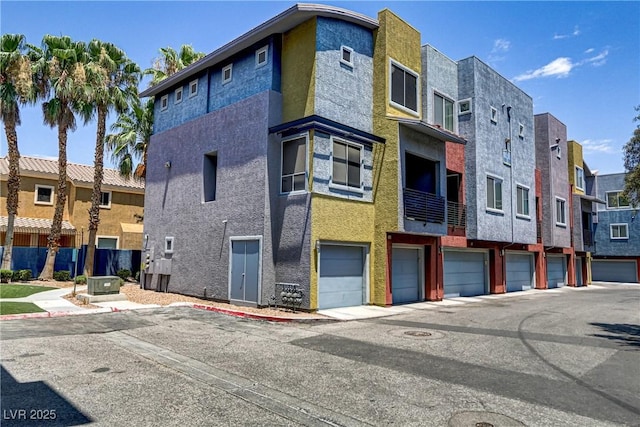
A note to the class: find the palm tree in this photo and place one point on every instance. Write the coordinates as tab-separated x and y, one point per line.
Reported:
16	87
111	78
61	68
170	62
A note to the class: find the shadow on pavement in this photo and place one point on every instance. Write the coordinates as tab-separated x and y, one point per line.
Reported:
624	333
35	404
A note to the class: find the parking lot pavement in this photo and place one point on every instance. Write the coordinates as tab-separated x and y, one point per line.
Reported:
568	358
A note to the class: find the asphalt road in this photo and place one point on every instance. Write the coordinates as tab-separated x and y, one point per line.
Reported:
570	357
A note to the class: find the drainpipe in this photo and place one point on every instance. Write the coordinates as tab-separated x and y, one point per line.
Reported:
513	211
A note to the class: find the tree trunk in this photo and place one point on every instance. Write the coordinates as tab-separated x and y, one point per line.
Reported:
94	211
13	184
61	199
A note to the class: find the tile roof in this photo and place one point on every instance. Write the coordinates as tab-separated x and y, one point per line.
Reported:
77	173
30	225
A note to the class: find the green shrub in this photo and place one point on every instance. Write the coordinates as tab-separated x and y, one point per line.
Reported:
6	275
81	280
25	275
62	275
15	277
124	274
122	282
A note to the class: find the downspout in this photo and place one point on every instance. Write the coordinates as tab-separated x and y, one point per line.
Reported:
513	211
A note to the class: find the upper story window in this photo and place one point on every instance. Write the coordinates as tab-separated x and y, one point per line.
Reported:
193	88
443	112
494	115
209	176
404	88
346	56
44	195
522	196
164	102
520	130
227	73
579	178
561	211
105	199
178	96
347	164
168	245
262	56
464	106
619	231
294	165
494	193
615	200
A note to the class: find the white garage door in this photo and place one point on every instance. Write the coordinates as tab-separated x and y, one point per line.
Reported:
519	271
556	271
613	271
405	275
341	281
464	273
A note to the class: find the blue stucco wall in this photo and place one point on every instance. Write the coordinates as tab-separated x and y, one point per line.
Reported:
483	152
440	75
188	109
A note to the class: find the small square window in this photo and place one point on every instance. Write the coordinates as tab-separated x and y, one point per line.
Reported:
619	231
494	115
520	130
262	55
168	245
347	56
193	88
105	199
44	195
464	106
561	218
227	73
164	102
178	96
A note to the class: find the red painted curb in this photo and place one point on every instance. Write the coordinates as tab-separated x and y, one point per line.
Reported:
246	315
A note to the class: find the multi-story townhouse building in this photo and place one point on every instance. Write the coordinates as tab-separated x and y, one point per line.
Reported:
121	208
616	246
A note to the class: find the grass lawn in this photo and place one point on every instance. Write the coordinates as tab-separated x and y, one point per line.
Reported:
18	307
20	291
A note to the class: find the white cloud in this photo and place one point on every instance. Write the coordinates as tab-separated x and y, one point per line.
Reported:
599	146
501	45
575	33
559	67
590	50
598	60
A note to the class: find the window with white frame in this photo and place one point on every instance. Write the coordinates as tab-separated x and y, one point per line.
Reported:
494	193
522	199
105	199
346	56
443	112
294	165
579	178
209	176
193	88
559	152
44	195
164	102
619	231
168	245
520	130
262	56
615	200
227	73
561	211
107	242
494	115
347	164
178	96
464	106
404	88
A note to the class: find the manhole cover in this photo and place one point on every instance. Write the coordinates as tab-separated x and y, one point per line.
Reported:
482	419
417	333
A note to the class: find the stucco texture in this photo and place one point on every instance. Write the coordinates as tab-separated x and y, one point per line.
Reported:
298	71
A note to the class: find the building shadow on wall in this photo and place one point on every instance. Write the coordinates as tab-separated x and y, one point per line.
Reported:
626	334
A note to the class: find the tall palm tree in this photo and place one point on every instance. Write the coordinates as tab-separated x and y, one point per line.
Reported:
62	68
112	78
16	87
170	62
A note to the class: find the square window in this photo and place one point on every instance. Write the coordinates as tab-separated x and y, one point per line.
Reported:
579	178
294	165
168	245
520	130
209	176
44	195
443	112
105	199
347	56
227	73
164	102
347	162
193	88
464	106
522	201
561	218
262	55
404	88
615	200
619	231
178	96
494	193
494	115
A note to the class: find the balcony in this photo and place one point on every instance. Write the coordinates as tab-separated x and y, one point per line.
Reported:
539	231
426	207
587	237
456	214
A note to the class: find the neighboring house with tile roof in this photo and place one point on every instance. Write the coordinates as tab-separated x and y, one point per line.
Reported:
120	214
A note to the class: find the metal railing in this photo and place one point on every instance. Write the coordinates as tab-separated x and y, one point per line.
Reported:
422	206
539	231
456	214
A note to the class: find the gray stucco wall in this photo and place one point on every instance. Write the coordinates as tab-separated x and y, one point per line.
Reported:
555	178
439	75
483	152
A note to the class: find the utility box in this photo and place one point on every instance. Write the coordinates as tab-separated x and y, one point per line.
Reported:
103	285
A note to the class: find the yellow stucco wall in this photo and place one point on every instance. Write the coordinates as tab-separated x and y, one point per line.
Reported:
298	71
574	157
26	199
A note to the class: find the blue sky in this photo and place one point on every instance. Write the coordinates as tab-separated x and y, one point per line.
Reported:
579	61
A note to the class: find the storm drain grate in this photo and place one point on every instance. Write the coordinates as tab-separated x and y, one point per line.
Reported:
418	333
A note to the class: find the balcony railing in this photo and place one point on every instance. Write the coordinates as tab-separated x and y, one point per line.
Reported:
422	206
587	237
456	214
539	231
